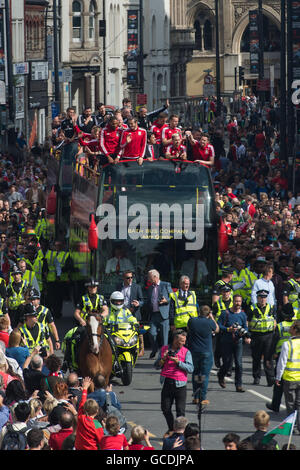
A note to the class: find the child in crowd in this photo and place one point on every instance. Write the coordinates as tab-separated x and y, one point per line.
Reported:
114	440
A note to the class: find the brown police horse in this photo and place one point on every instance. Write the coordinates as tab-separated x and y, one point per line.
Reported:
95	355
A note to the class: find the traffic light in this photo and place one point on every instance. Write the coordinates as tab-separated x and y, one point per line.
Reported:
241	75
102	28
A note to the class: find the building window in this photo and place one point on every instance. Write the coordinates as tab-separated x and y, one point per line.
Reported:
153	33
198	35
271	37
92	12
77	21
207	33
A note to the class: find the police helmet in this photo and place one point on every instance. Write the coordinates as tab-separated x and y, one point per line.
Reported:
29	311
92	283
117	300
34	294
16	270
297	270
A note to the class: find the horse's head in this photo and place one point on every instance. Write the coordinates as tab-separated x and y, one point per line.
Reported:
94	331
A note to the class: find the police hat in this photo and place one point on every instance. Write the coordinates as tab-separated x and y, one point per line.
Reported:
34	294
261	259
92	283
29	311
262	293
225	288
16	270
227	270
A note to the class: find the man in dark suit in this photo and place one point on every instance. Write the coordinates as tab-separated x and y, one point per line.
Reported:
133	294
133	300
158	303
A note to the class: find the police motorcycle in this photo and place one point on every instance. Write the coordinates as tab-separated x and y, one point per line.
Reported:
125	337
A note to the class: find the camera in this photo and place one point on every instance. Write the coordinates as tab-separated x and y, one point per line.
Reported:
241	331
43	351
171	353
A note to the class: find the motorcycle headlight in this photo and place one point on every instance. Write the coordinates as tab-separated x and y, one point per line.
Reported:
133	340
119	341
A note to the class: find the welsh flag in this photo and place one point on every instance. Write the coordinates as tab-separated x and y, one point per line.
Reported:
285	428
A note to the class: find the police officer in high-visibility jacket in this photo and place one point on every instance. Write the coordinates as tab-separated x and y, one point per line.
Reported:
291	290
33	333
28	275
227	274
288	371
117	313
44	316
225	302
183	305
282	334
262	324
90	301
15	296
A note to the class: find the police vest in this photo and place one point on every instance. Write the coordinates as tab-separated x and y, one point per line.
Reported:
88	305
184	309
80	265
296	307
237	278
1	306
50	256
250	279
38	270
292	369
16	299
28	276
119	316
264	323
293	295
28	339
284	334
221	306
62	257
42	316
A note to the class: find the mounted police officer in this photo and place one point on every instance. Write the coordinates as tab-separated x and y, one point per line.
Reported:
262	324
89	302
183	305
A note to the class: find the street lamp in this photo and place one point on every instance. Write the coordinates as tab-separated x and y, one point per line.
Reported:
283	83
218	78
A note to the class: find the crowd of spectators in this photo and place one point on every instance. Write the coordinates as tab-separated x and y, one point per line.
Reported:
254	198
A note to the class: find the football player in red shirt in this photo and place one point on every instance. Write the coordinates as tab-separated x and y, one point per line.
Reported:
170	130
203	151
133	142
176	150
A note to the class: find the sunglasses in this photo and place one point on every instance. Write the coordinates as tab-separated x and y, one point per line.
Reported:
129	277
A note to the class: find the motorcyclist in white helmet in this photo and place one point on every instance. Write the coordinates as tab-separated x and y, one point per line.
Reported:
117	312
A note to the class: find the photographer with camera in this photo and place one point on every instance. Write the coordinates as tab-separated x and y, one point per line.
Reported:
175	362
234	331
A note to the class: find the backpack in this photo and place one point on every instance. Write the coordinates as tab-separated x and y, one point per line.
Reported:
14	440
114	411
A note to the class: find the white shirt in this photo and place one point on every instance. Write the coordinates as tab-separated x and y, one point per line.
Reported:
263	284
282	360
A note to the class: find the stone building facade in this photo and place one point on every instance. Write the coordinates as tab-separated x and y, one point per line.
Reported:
193	43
